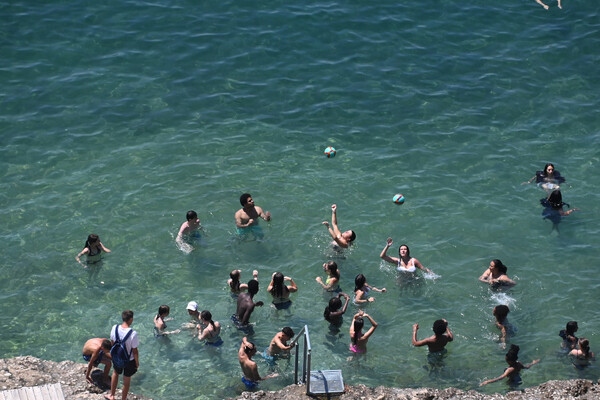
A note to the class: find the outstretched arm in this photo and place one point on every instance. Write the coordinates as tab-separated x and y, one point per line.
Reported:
546	7
508	371
384	256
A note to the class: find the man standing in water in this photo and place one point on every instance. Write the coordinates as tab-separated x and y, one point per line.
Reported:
249	369
246	304
246	218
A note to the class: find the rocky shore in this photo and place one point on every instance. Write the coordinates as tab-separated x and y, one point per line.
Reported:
30	371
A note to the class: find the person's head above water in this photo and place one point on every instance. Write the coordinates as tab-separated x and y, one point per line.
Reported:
548	169
571	327
359	282
555	199
501	312
404	250
497	264
191	215
245	199
253	287
513	353
439	327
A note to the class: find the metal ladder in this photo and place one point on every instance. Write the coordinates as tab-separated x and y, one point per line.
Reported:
317	382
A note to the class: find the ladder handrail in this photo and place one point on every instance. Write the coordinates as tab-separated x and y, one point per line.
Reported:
305	378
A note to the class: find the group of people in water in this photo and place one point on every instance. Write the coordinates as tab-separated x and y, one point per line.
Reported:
281	286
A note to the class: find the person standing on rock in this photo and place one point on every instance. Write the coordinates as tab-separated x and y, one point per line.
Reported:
131	345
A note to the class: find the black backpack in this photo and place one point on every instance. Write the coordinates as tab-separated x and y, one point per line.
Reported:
119	354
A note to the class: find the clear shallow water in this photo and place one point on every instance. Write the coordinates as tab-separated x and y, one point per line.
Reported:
119	117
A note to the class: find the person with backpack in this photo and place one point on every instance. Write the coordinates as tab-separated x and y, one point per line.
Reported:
124	352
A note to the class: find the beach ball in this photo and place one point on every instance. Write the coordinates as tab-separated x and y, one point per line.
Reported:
330	152
398	199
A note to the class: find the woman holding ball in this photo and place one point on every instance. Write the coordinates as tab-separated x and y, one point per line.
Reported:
404	263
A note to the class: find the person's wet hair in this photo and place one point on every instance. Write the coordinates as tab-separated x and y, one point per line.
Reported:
513	353
501	267
334	304
235	279
352	236
244	198
277	290
249	349
164	309
106	344
333	268
287	331
191	215
571	327
501	312
555	199
359	281
253	287
439	327
207	316
358	325
92	238
584	346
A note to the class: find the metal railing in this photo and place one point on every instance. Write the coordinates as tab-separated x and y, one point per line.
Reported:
305	377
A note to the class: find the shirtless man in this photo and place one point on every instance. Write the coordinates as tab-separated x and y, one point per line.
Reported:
245	304
279	342
249	369
340	239
247	216
188	230
97	351
436	342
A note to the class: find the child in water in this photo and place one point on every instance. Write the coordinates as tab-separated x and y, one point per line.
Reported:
514	367
93	250
159	322
188	230
501	313
583	356
234	281
568	335
438	341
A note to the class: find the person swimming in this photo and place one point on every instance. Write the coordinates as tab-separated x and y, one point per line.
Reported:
404	262
362	289
548	179
514	367
209	330
581	357
553	208
495	275
334	311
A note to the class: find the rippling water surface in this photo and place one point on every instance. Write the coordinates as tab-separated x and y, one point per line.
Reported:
118	117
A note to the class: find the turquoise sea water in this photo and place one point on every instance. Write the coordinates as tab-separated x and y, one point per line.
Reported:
118	117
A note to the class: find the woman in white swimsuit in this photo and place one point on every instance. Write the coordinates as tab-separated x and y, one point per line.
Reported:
405	263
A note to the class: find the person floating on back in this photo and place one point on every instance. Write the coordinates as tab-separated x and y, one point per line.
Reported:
548	179
514	367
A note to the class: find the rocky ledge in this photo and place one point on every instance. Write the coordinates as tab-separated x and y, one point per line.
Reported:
26	371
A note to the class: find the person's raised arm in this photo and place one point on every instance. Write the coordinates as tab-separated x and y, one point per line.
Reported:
416	342
448	332
371	329
292	287
384	255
